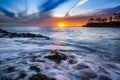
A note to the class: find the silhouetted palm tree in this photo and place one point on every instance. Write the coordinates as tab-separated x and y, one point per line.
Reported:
96	20
105	19
99	19
110	19
117	17
91	20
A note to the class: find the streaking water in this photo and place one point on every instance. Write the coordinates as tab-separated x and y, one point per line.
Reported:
98	48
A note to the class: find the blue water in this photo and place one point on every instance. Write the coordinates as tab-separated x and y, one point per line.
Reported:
92	46
102	39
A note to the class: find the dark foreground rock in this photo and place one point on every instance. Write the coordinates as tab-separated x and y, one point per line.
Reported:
6	79
72	61
35	68
4	33
40	76
102	77
10	69
88	76
81	66
57	57
22	75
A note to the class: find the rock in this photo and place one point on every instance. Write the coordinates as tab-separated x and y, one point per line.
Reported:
72	61
40	76
1	61
35	68
102	77
81	66
52	79
10	69
5	78
23	35
57	57
88	75
22	75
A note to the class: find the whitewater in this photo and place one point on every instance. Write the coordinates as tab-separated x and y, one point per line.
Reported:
92	53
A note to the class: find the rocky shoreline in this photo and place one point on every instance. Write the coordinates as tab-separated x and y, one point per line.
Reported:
27	57
6	34
58	57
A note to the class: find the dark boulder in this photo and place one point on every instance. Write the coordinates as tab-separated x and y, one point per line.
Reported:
72	61
22	75
40	76
10	69
5	78
81	66
35	68
57	57
4	33
88	76
102	77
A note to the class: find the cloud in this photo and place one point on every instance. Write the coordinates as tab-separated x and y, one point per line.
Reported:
77	5
6	12
111	10
107	12
50	5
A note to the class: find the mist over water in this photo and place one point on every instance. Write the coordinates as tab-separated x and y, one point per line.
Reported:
98	48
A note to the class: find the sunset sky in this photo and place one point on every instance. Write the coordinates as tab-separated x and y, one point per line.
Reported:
54	12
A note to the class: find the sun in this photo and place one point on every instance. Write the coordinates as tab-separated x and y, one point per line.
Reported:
61	25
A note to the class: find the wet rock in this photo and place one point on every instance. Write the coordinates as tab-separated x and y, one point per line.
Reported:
52	79
22	75
81	66
40	76
62	50
88	76
5	78
72	61
23	35
35	68
57	57
102	77
1	61
10	69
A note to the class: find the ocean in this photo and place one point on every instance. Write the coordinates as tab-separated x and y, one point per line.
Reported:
96	48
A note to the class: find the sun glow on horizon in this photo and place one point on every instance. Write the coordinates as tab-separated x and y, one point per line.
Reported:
61	25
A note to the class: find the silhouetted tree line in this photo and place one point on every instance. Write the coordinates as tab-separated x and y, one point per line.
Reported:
114	18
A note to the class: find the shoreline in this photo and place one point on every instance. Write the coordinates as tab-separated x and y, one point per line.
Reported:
108	24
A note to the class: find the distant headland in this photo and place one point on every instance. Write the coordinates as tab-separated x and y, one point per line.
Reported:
112	21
